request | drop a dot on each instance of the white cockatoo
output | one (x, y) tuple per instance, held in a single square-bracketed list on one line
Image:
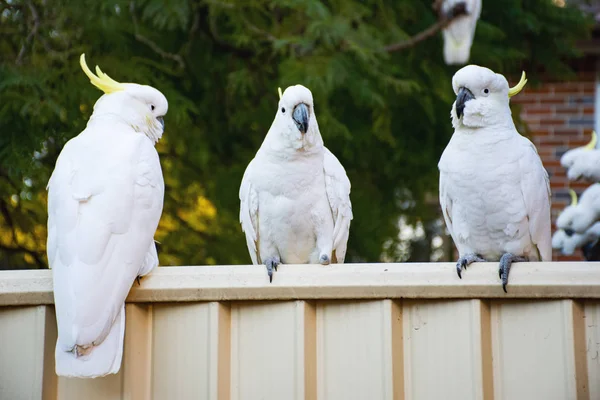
[(105, 198), (295, 195), (583, 162), (582, 214), (458, 36), (567, 242), (494, 190)]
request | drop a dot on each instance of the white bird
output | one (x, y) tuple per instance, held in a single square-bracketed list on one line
[(105, 198), (567, 243), (583, 162), (580, 216), (295, 195), (494, 190), (458, 36)]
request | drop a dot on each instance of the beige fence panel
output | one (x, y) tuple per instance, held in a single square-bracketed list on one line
[(355, 331), (592, 346)]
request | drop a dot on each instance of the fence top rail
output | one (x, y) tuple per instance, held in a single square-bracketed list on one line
[(341, 281)]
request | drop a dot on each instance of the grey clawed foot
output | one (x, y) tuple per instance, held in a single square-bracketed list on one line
[(505, 262), (465, 261), (272, 263), (138, 279)]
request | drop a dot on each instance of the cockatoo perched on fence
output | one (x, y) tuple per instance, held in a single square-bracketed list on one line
[(567, 244), (580, 216), (105, 198), (458, 36), (568, 240), (295, 195), (494, 190), (583, 162)]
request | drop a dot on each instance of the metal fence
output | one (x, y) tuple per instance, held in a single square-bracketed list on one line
[(354, 331)]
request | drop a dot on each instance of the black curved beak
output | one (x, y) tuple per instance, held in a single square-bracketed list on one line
[(463, 96), (162, 122), (569, 232), (300, 117)]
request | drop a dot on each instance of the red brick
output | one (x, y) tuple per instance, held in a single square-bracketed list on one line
[(573, 142), (565, 110), (587, 109), (539, 111), (566, 131), (551, 141), (553, 99)]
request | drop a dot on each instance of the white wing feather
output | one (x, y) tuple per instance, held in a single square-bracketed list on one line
[(337, 186), (249, 215), (535, 187), (458, 36), (104, 203), (446, 205)]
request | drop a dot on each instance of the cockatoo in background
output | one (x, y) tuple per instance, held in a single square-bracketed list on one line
[(494, 190), (580, 216), (583, 162), (458, 36), (295, 195), (105, 198), (568, 242)]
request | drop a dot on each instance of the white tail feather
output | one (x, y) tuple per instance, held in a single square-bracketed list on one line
[(99, 360)]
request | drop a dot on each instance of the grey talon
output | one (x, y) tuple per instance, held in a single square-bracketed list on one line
[(271, 264), (324, 259), (505, 263), (465, 261)]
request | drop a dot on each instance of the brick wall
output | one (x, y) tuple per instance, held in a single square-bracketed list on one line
[(559, 116)]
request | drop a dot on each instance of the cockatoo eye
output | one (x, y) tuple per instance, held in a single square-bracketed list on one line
[(486, 91), (152, 107), (283, 110)]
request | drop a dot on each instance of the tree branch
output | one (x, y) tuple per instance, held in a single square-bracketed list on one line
[(32, 33), (457, 11), (20, 249), (140, 38)]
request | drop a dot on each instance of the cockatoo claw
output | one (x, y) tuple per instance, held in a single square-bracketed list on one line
[(272, 263), (465, 261), (505, 262)]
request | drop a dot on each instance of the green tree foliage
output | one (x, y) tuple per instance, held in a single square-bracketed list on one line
[(384, 113)]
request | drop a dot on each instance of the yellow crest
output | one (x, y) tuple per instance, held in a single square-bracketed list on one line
[(573, 197), (592, 144), (519, 86), (101, 81), (279, 91)]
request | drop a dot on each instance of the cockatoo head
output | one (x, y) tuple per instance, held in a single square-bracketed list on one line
[(482, 97), (568, 159), (141, 107), (295, 122), (567, 243)]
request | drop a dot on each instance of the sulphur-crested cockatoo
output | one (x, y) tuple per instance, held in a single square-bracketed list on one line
[(494, 190), (458, 36), (295, 195), (105, 199), (583, 162), (567, 242), (582, 214)]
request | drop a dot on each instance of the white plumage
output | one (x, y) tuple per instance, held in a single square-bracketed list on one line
[(295, 195), (494, 190), (581, 216), (458, 36), (567, 243), (583, 162), (105, 199)]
